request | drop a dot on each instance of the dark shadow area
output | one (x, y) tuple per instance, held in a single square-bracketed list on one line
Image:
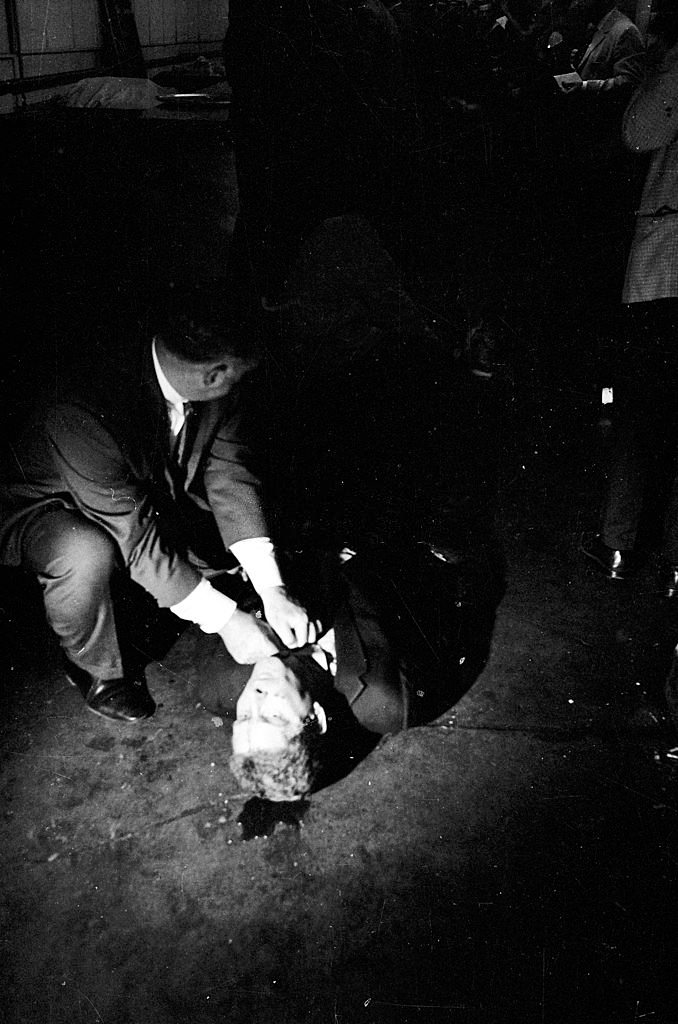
[(259, 817)]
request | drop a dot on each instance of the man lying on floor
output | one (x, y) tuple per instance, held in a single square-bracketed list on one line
[(409, 636)]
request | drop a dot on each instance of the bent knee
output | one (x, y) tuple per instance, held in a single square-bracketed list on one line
[(91, 552), (68, 544)]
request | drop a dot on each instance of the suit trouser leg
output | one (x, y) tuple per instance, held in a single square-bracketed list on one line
[(637, 479), (647, 418), (670, 539), (626, 470), (624, 504), (74, 561)]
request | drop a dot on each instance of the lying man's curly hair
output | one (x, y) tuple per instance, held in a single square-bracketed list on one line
[(281, 775)]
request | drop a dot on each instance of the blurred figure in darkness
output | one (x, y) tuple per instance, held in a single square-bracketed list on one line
[(316, 89)]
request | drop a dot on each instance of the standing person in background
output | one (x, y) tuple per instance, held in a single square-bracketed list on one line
[(643, 468), (597, 178), (613, 60)]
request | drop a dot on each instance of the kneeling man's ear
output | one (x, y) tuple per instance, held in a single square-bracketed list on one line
[(319, 712), (215, 375)]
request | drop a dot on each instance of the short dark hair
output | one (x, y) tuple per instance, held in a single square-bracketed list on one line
[(287, 774), (200, 323)]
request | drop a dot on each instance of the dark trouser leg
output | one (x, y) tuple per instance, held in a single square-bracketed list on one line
[(670, 545), (625, 493), (670, 537), (646, 412), (74, 560)]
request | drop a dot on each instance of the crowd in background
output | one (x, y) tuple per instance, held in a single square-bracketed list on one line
[(506, 118), (442, 111)]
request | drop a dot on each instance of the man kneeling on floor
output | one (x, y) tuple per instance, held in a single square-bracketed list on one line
[(407, 641), (138, 469)]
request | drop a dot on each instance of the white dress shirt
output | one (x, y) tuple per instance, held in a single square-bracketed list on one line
[(205, 606)]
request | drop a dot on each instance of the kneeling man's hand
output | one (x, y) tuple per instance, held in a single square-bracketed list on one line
[(248, 639), (288, 618)]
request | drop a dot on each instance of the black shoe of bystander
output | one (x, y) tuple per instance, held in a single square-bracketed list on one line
[(613, 563)]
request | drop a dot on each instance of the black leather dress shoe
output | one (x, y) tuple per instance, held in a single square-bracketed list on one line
[(669, 581), (612, 562), (121, 700)]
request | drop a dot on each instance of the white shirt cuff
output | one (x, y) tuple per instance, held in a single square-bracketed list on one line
[(257, 557), (206, 607)]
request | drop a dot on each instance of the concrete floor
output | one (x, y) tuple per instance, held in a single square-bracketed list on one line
[(515, 861)]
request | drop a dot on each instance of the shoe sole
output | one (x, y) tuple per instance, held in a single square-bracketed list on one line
[(113, 718), (609, 574)]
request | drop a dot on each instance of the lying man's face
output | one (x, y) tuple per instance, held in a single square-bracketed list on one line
[(273, 707), (277, 729)]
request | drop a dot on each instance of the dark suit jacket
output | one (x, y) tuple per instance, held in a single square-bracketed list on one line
[(101, 445), (411, 634), (616, 53)]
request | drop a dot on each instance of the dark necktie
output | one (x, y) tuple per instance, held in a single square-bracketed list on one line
[(184, 439)]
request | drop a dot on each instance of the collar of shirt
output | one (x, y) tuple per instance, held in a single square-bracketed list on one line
[(175, 403)]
